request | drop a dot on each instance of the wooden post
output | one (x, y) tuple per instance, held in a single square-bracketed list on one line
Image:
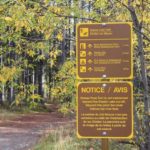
[(105, 144)]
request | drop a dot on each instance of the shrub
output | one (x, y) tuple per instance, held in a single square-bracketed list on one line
[(64, 89)]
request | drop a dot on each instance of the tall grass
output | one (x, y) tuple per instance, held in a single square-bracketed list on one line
[(5, 114), (64, 138)]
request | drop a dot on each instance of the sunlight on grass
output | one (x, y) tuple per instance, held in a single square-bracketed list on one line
[(5, 114), (64, 138)]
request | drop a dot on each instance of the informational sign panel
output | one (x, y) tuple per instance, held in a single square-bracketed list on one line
[(105, 110), (104, 50)]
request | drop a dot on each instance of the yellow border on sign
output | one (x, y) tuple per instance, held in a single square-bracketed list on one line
[(106, 137), (131, 59)]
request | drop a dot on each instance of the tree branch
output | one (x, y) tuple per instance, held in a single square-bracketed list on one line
[(137, 26), (127, 142), (126, 6), (74, 17), (42, 39), (144, 36)]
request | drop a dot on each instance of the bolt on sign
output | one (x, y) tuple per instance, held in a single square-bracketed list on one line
[(105, 110), (104, 50)]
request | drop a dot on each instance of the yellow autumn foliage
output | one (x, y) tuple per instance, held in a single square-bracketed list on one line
[(7, 74), (35, 96), (31, 53), (9, 19), (60, 37)]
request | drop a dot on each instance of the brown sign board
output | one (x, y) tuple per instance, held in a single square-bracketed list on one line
[(105, 110), (104, 50)]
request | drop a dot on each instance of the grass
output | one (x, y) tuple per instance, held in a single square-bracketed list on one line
[(64, 138), (5, 114)]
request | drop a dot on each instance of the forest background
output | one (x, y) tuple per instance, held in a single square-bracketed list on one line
[(37, 53)]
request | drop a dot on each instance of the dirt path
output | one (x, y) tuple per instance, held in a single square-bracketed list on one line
[(24, 132)]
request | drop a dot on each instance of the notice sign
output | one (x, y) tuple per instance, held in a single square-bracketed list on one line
[(104, 50), (105, 110)]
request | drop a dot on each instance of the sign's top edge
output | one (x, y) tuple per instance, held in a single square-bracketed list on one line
[(106, 23), (105, 82)]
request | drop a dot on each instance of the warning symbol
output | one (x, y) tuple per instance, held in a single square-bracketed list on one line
[(82, 61), (82, 53), (82, 69), (84, 32), (82, 45)]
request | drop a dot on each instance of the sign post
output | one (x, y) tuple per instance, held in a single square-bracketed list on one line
[(104, 51), (105, 109), (105, 144)]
